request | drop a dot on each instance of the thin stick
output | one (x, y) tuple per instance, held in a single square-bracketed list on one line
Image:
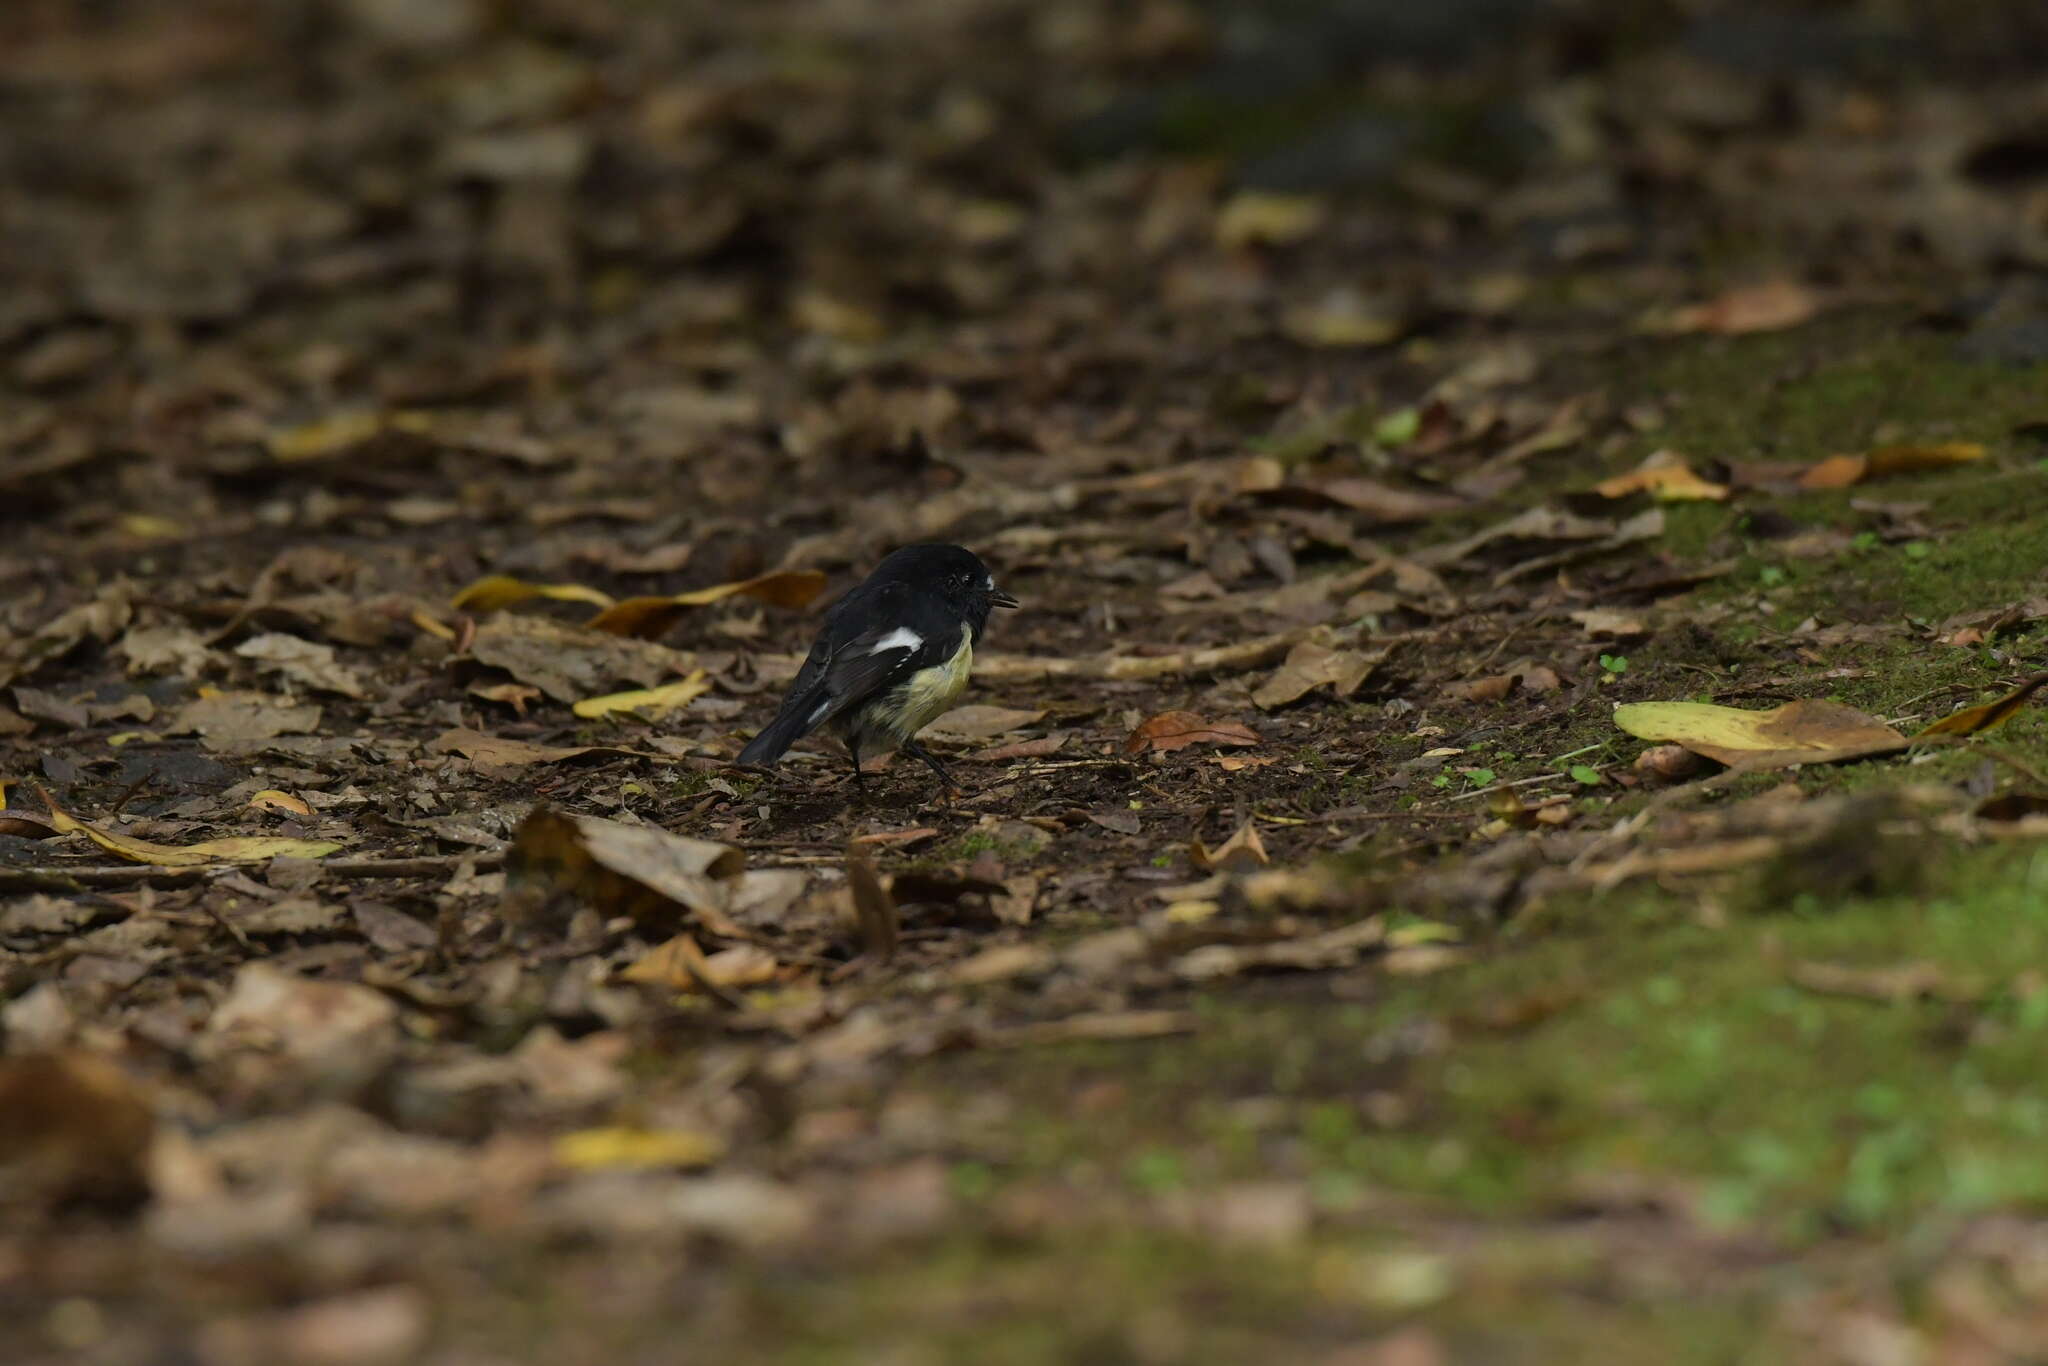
[(128, 875)]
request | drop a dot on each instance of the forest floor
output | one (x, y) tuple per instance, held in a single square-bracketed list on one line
[(429, 432)]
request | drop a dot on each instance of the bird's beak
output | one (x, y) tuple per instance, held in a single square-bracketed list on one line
[(998, 598)]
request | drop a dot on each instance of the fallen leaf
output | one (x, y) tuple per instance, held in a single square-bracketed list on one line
[(73, 1126), (1244, 654), (1492, 688), (1244, 850), (570, 663), (1663, 475), (1311, 953), (330, 1036), (1171, 730), (227, 719), (1989, 716), (618, 1148), (1119, 1024), (496, 591), (1669, 762), (1612, 622), (647, 617), (1021, 749), (514, 695), (1804, 732), (1841, 471), (100, 619), (233, 849), (310, 664), (165, 650), (330, 435), (1344, 317), (1263, 218), (270, 799), (1118, 820), (1770, 306), (500, 751), (680, 965), (27, 825), (910, 836), (1310, 665), (668, 697), (633, 870)]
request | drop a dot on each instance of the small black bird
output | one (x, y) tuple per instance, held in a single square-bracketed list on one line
[(891, 657)]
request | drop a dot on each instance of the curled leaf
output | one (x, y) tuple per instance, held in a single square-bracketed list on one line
[(647, 617), (1665, 476), (1841, 471), (1805, 732), (1243, 850), (1171, 730), (495, 591), (667, 697), (1989, 716), (234, 849), (634, 870)]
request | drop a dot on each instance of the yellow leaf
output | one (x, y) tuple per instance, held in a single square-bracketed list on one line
[(620, 1147), (311, 440), (145, 527), (494, 591), (648, 617), (1261, 217), (1665, 476), (430, 626), (273, 800), (1802, 732), (235, 849), (1971, 720), (667, 697), (1841, 471), (679, 964)]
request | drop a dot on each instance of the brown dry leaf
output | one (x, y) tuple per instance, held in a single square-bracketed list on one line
[(310, 664), (1804, 732), (570, 663), (979, 722), (496, 591), (873, 908), (1311, 665), (233, 849), (165, 650), (1492, 688), (1021, 749), (1243, 851), (1841, 471), (1312, 953), (72, 1126), (648, 617), (27, 825), (634, 870), (1770, 306), (1666, 476), (680, 965), (1989, 716), (1612, 622), (500, 751), (332, 1036), (1669, 762), (910, 836), (1171, 730), (666, 698), (1380, 502), (228, 719), (1900, 982), (103, 618), (1002, 963)]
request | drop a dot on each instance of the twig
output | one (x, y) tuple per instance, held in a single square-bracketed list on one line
[(128, 875)]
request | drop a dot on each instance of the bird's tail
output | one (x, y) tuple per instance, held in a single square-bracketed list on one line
[(796, 720)]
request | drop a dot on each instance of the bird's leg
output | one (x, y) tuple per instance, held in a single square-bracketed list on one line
[(860, 782), (931, 761)]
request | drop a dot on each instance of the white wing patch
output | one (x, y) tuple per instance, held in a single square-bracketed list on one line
[(902, 638)]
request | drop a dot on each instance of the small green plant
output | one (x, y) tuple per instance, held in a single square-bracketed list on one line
[(1917, 550), (1585, 773), (1480, 777), (1865, 541), (1771, 575), (1615, 665)]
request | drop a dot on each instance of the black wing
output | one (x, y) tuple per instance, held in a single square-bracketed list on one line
[(872, 640)]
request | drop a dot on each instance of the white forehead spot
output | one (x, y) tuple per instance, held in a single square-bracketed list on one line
[(902, 638), (988, 581)]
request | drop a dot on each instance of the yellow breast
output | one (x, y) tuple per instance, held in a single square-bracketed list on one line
[(929, 692)]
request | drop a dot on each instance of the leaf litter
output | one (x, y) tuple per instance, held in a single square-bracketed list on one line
[(382, 906)]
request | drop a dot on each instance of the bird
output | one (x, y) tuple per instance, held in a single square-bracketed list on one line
[(890, 658)]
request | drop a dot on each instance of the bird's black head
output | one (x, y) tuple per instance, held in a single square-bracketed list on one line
[(952, 571)]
